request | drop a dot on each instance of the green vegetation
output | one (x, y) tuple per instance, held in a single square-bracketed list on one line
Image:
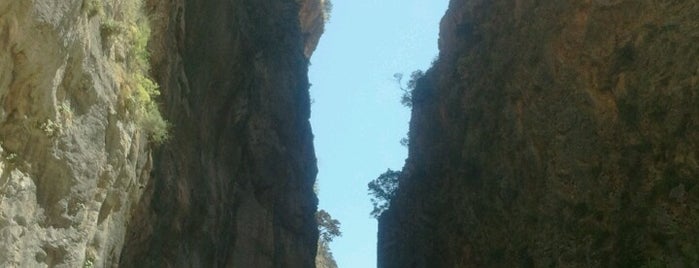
[(329, 228), (138, 92), (146, 90), (383, 189), (405, 141), (110, 28), (7, 156), (147, 112), (93, 8), (65, 112), (11, 157), (327, 10), (89, 263), (407, 98), (51, 128)]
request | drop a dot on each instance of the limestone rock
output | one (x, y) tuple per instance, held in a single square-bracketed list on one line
[(72, 160)]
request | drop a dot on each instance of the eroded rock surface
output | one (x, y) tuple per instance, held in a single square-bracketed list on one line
[(553, 134), (72, 158)]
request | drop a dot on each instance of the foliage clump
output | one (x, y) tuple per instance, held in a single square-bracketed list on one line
[(93, 8), (405, 141), (147, 111), (383, 189), (327, 10), (111, 27), (407, 97), (138, 92), (329, 228)]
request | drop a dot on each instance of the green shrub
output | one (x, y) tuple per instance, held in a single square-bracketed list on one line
[(51, 128), (93, 8), (140, 91), (142, 104), (111, 28)]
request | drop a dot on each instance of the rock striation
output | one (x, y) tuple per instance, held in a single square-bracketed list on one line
[(553, 134)]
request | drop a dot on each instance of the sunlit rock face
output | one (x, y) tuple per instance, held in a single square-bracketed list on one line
[(553, 134), (324, 257), (82, 184), (312, 17), (233, 187), (73, 160)]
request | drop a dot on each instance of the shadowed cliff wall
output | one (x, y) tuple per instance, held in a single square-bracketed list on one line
[(233, 187), (553, 134)]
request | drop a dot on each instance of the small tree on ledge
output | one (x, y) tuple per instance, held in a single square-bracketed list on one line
[(382, 190)]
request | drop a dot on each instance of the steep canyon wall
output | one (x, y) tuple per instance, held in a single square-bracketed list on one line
[(73, 153), (553, 134), (86, 176), (234, 185)]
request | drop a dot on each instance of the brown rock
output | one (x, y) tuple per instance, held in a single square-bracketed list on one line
[(553, 134)]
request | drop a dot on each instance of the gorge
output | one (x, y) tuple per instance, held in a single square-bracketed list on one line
[(149, 133)]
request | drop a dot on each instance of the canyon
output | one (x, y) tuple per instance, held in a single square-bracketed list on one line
[(149, 133)]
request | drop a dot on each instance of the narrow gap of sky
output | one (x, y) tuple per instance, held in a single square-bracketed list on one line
[(357, 117)]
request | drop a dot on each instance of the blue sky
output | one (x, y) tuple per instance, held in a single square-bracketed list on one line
[(357, 117)]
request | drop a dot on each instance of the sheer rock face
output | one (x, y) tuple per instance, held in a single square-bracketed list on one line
[(553, 134), (233, 187), (72, 161)]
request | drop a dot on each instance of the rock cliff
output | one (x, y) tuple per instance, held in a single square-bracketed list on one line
[(553, 134), (74, 152), (234, 185), (88, 175)]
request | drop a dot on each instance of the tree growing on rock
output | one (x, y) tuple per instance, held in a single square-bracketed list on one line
[(383, 189), (407, 97), (329, 228)]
